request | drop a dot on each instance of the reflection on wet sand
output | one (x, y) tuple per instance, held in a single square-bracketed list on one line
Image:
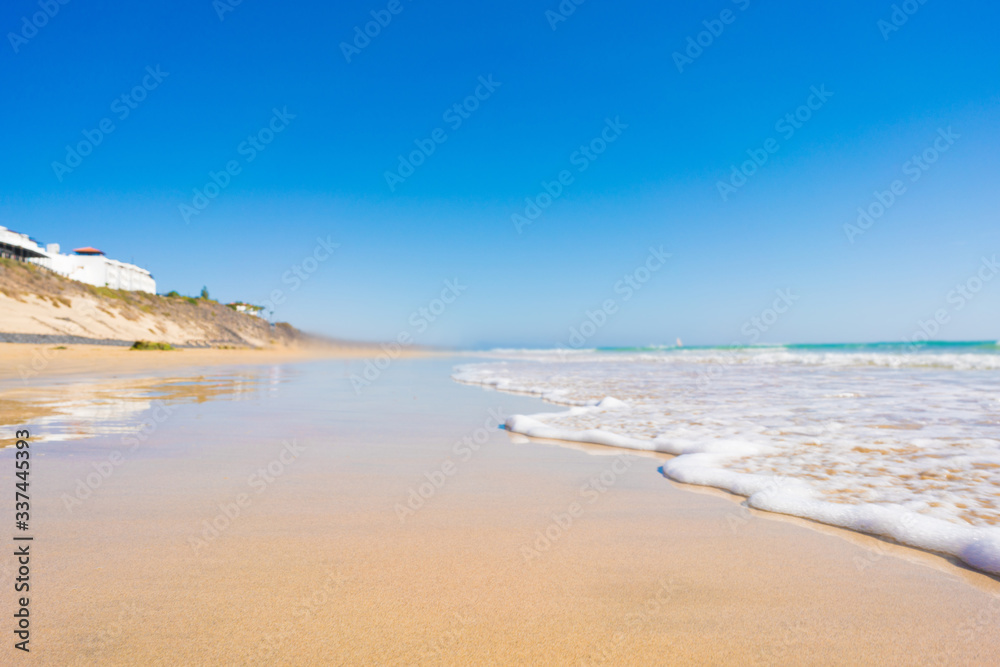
[(77, 410), (587, 447)]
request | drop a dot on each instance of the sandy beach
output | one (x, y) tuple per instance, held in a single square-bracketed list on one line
[(522, 333), (270, 514)]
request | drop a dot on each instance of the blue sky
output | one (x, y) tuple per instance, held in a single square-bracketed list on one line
[(679, 133)]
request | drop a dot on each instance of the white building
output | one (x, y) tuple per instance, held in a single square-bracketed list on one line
[(87, 265), (14, 245), (247, 308)]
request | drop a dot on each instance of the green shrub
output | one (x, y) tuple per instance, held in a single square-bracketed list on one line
[(108, 293), (148, 345)]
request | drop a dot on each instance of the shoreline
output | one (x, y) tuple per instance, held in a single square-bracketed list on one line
[(883, 545), (977, 553), (34, 363), (975, 545)]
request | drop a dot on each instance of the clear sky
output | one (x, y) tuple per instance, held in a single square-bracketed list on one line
[(211, 75)]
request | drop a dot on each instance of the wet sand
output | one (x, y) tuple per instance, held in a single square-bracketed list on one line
[(38, 363), (268, 525)]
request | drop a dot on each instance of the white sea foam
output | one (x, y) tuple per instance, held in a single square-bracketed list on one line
[(901, 445)]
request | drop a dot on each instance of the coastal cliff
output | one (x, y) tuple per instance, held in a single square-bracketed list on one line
[(34, 301)]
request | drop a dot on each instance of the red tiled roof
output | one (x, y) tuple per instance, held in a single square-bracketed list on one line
[(88, 251)]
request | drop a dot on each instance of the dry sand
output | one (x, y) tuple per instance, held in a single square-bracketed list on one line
[(320, 569)]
